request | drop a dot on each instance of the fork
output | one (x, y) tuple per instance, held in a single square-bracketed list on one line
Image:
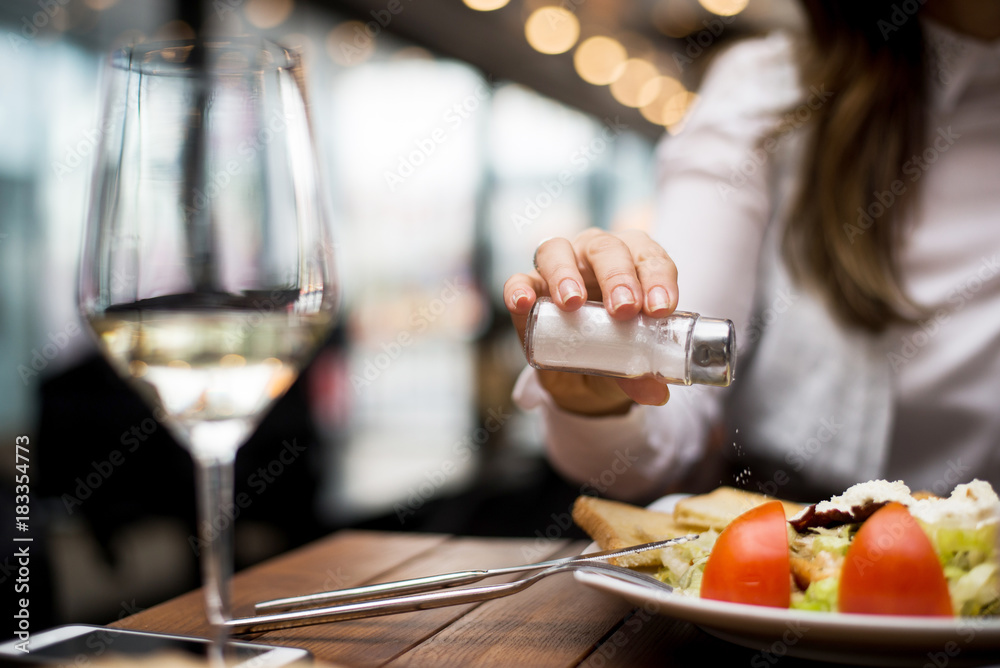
[(431, 582), (433, 599)]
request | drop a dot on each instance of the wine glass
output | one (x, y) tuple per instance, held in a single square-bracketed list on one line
[(207, 273)]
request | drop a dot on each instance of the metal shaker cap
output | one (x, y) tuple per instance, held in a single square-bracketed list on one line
[(713, 352)]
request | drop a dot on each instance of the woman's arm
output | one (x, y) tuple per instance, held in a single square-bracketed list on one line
[(713, 206)]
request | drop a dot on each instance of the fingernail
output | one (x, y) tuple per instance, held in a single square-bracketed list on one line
[(672, 298), (658, 299), (569, 289), (621, 296), (519, 297)]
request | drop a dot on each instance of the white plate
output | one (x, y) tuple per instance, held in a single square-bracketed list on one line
[(863, 639)]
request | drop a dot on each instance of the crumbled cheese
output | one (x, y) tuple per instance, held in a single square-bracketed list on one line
[(969, 505), (873, 491)]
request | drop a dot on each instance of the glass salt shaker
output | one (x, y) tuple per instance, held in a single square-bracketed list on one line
[(682, 348)]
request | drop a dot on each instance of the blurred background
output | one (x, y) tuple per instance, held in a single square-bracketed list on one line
[(456, 136)]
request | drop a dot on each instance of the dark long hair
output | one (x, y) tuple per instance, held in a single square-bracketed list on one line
[(846, 225)]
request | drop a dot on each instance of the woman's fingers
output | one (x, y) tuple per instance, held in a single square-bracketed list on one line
[(630, 271), (585, 395), (610, 261), (596, 395), (656, 271), (520, 292), (647, 391), (556, 264)]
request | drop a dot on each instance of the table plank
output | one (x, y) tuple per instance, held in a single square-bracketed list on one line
[(645, 640), (351, 558), (556, 622), (376, 641), (345, 559)]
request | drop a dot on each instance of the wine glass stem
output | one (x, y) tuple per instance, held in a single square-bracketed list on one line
[(214, 478)]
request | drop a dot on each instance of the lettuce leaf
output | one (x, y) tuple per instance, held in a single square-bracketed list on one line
[(820, 596), (684, 564), (971, 565)]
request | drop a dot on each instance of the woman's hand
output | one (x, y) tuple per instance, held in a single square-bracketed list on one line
[(630, 273)]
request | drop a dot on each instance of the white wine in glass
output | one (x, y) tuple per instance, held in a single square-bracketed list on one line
[(207, 271)]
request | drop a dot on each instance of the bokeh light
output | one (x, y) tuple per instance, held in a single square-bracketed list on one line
[(656, 110), (600, 60), (676, 109), (232, 361), (350, 44), (724, 7), (552, 30), (636, 86), (173, 30), (268, 13), (485, 5)]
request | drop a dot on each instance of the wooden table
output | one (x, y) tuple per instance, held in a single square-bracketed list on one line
[(557, 622)]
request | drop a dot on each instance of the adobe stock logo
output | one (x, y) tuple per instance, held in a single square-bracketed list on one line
[(40, 357), (37, 21), (581, 160), (424, 147), (900, 15), (914, 169)]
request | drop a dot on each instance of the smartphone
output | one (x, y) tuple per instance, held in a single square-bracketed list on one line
[(79, 644)]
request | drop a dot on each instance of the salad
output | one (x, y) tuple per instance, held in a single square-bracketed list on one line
[(875, 549)]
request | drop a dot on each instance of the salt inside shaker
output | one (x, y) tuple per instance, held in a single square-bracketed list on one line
[(682, 348)]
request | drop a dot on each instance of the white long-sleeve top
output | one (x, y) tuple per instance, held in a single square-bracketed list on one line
[(814, 404)]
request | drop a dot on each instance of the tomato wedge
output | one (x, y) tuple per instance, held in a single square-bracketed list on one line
[(750, 562), (891, 568)]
